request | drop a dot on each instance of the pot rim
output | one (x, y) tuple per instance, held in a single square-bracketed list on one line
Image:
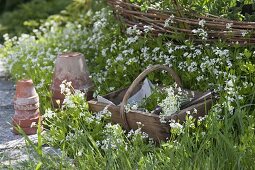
[(70, 54)]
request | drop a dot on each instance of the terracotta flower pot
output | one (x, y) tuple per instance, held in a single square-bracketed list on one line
[(28, 131), (28, 114), (25, 122), (25, 89), (26, 125), (26, 105), (71, 67)]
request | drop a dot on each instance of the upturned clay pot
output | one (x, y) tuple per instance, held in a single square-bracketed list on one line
[(27, 131), (28, 114), (25, 122), (26, 105), (27, 125), (71, 67)]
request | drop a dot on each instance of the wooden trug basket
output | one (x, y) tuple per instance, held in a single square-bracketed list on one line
[(184, 22), (152, 125)]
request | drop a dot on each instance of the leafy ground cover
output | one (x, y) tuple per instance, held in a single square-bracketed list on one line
[(222, 140)]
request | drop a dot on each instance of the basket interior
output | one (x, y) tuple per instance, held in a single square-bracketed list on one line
[(117, 96)]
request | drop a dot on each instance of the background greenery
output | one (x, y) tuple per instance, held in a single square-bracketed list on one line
[(27, 14)]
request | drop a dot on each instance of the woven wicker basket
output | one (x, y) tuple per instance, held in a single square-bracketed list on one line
[(152, 125), (184, 23)]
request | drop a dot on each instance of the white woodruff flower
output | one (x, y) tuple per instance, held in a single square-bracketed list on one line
[(67, 91), (244, 33), (175, 125), (148, 28), (112, 137), (62, 88), (201, 33), (49, 114), (133, 30), (232, 94), (79, 94), (65, 88), (41, 84), (203, 134), (170, 103), (175, 96), (131, 40), (230, 83), (199, 78), (202, 23), (134, 107), (69, 84), (169, 21), (104, 52), (68, 102), (229, 26)]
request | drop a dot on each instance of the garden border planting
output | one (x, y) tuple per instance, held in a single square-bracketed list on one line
[(152, 123)]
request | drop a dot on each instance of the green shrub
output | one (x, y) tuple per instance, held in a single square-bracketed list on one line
[(10, 4), (28, 16)]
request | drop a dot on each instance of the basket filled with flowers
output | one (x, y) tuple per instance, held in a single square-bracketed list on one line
[(158, 110)]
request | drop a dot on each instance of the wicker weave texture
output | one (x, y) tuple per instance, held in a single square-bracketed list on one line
[(188, 24)]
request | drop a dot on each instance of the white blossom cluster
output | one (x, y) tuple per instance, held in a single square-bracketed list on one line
[(169, 21), (171, 104), (201, 33), (49, 114), (232, 95), (176, 127), (98, 117), (138, 133), (113, 138)]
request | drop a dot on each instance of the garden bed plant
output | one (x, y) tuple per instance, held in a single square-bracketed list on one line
[(224, 139), (33, 12)]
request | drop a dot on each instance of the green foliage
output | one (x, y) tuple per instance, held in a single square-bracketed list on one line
[(10, 4), (153, 100), (28, 16)]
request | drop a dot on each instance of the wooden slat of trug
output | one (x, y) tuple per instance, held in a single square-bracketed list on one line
[(152, 125)]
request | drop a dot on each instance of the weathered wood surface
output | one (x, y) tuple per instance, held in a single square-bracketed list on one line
[(152, 125)]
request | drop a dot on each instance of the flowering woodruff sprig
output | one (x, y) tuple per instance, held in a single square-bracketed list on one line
[(171, 104), (66, 88), (72, 96), (74, 118), (113, 138)]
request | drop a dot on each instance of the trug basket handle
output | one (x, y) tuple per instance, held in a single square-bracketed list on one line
[(136, 82)]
